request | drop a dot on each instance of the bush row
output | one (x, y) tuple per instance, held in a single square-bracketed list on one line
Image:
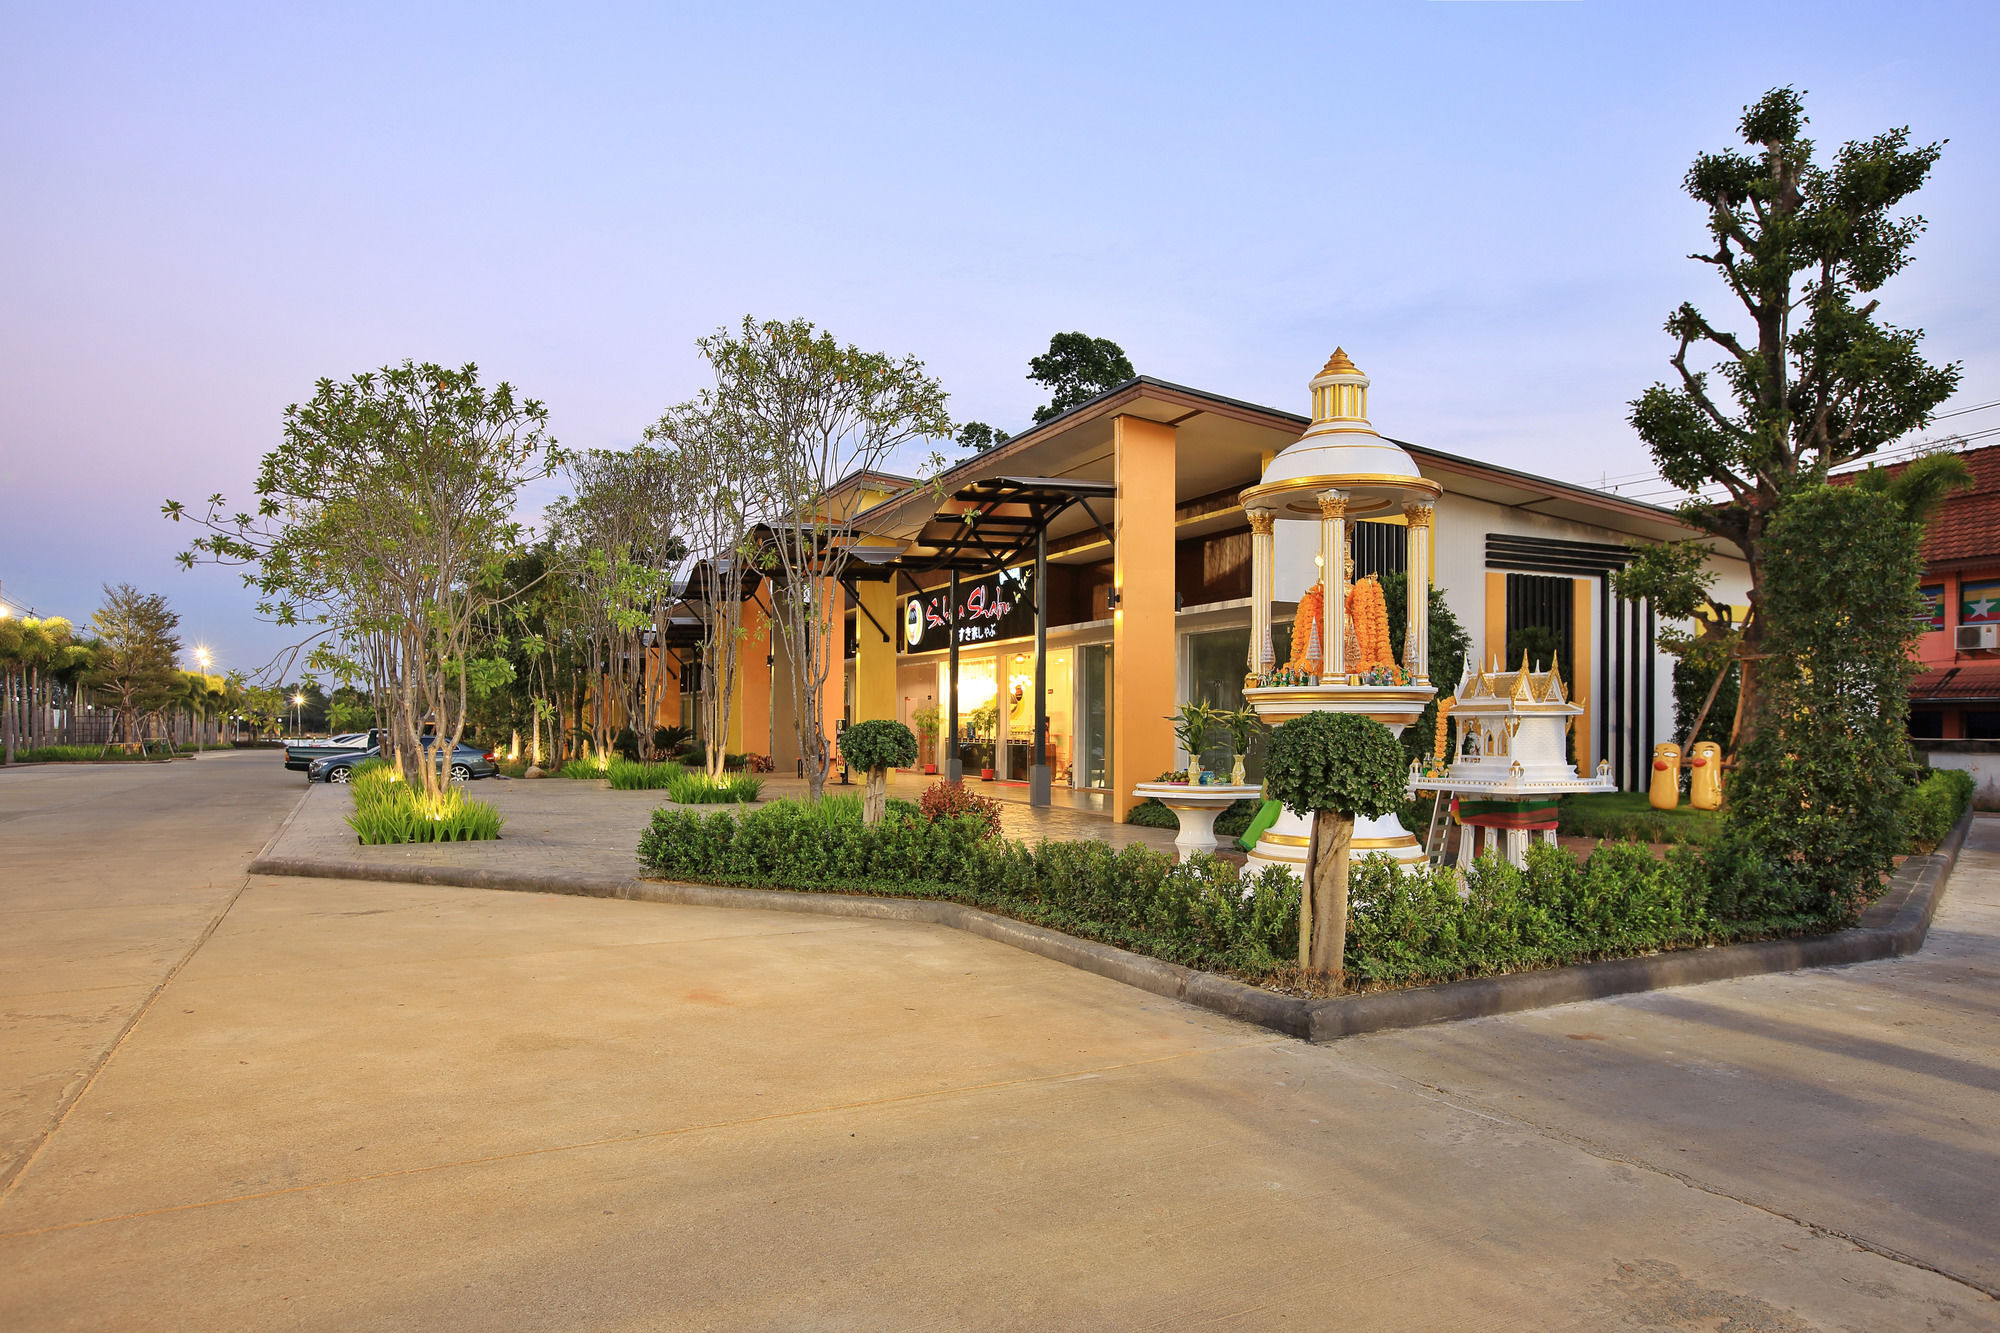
[(1935, 804), (1200, 912)]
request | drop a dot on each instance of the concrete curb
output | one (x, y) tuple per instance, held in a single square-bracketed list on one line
[(1894, 926)]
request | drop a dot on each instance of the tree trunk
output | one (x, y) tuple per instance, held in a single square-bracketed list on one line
[(875, 803), (1332, 836)]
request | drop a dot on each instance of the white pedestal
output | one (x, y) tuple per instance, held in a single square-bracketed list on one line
[(1285, 842), (1196, 808)]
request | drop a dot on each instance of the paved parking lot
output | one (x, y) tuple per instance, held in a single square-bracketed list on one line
[(248, 1103)]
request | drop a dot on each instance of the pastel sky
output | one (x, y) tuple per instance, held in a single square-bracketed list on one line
[(208, 207)]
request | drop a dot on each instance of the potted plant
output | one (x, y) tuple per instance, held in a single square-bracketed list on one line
[(1332, 766), (875, 747), (983, 725), (927, 719), (1191, 726), (1243, 724)]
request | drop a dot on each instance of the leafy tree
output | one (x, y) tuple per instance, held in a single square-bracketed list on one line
[(618, 533), (1332, 766), (978, 435), (384, 526), (719, 474), (1820, 381), (1075, 369), (822, 416), (875, 747), (1815, 812), (135, 661)]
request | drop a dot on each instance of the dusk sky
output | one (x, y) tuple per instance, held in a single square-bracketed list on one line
[(207, 208)]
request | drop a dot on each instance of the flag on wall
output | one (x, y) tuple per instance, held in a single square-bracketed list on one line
[(1979, 603), (1932, 616)]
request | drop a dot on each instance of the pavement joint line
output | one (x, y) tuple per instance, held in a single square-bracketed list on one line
[(1604, 1152), (614, 1140), (16, 1171)]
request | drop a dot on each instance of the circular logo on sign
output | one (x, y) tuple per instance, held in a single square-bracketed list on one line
[(913, 622)]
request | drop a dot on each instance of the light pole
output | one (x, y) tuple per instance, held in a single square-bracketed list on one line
[(298, 701)]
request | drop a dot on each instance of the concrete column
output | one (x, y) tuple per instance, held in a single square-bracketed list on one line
[(1333, 578), (1417, 583), (1142, 578), (750, 709), (1263, 524)]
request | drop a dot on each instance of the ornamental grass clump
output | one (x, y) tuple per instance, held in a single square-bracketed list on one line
[(685, 788), (584, 770), (389, 810), (632, 775)]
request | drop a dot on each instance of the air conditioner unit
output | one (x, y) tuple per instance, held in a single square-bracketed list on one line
[(1978, 638)]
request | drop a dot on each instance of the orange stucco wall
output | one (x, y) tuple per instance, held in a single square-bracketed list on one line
[(1142, 572), (750, 713)]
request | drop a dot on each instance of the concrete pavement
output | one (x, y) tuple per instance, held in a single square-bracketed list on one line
[(391, 1106)]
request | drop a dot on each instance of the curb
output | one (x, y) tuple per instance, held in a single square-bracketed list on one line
[(1894, 926)]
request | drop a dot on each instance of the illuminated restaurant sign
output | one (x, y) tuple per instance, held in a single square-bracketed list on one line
[(997, 606)]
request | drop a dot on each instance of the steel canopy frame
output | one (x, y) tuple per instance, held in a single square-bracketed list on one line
[(992, 524)]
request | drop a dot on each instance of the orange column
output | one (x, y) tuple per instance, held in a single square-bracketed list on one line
[(750, 716), (1142, 573), (1583, 641), (1495, 647)]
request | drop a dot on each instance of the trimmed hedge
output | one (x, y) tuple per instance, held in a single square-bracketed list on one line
[(1935, 804), (1201, 912)]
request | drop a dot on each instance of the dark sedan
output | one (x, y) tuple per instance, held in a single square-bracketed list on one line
[(467, 763)]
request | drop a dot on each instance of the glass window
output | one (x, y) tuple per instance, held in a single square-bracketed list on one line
[(1217, 661)]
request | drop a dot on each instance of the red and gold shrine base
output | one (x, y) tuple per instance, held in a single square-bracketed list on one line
[(1536, 815)]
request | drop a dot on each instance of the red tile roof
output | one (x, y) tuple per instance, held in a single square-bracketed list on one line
[(1967, 525), (1959, 684)]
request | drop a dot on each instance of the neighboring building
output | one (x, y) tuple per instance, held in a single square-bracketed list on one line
[(1149, 589), (1958, 695)]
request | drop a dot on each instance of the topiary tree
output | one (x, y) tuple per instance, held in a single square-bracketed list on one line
[(1332, 766), (875, 747)]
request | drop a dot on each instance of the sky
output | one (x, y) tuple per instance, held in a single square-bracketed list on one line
[(208, 208)]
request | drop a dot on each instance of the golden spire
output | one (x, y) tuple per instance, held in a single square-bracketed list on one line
[(1338, 364)]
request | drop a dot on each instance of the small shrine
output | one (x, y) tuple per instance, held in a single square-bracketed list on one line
[(1338, 471), (1510, 763)]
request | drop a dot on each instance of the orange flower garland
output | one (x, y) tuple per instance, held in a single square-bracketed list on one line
[(1308, 616), (1370, 616)]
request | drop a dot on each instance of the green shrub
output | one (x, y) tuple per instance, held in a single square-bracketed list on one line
[(1336, 762), (1201, 912), (1149, 813), (628, 775), (1412, 927), (878, 743), (625, 745), (386, 810), (1934, 805), (584, 770), (59, 754), (685, 788)]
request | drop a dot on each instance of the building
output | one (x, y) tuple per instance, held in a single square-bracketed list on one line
[(1957, 698), (1133, 501)]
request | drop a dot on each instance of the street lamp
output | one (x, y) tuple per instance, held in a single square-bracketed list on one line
[(298, 701), (201, 659)]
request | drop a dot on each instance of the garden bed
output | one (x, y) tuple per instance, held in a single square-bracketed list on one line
[(1406, 928)]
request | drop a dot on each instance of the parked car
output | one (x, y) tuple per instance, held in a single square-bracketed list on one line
[(299, 756), (467, 763)]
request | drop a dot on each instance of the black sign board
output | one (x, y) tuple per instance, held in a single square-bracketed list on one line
[(997, 606)]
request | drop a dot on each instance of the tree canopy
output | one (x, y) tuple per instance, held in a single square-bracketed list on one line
[(1817, 381), (1075, 369)]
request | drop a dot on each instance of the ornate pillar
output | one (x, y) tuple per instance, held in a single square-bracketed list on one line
[(1333, 579), (1417, 583), (1263, 524)]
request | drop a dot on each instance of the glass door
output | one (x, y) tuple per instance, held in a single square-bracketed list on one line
[(1094, 740)]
